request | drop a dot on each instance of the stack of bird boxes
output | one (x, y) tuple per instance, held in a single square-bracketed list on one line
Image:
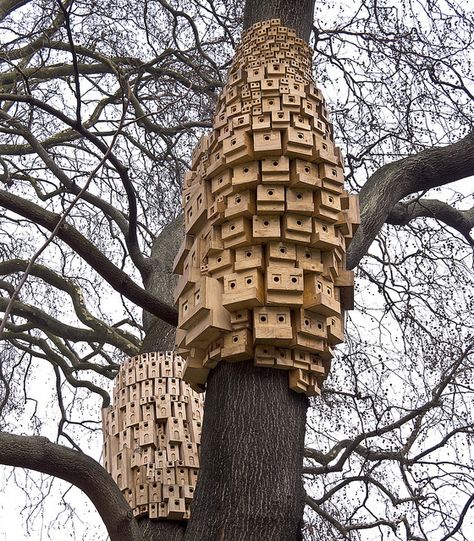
[(267, 222), (152, 436)]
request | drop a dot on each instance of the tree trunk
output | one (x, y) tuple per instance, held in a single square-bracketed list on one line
[(250, 482)]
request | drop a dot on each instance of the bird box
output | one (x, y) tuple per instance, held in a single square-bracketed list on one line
[(212, 241), (243, 290), (335, 330), (323, 150), (298, 143), (216, 210), (220, 263), (276, 170), (195, 210), (238, 346), (240, 204), (272, 323), (221, 182), (298, 380), (323, 236), (262, 122), (327, 206), (246, 175), (249, 257), (304, 174), (271, 104), (319, 296), (241, 319), (300, 122), (255, 74), (290, 102), (299, 201), (309, 259), (332, 177), (266, 227), (280, 119), (297, 228), (267, 143), (345, 285), (238, 147), (236, 232), (270, 199), (284, 286), (281, 254), (194, 372), (241, 122)]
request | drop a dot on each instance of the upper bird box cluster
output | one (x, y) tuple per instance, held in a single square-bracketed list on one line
[(267, 222)]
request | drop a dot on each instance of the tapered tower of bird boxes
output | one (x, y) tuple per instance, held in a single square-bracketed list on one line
[(268, 222)]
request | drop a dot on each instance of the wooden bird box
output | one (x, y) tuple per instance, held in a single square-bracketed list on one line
[(267, 143), (276, 170), (281, 254), (238, 346), (332, 177), (327, 206), (238, 148), (280, 119), (241, 319), (221, 182), (304, 174), (335, 330), (297, 228), (246, 175), (236, 232), (319, 296), (323, 150), (243, 290), (345, 284), (272, 324), (262, 122), (220, 263), (324, 235), (270, 199), (299, 201), (271, 104), (266, 228), (249, 257), (284, 286), (240, 204), (298, 143)]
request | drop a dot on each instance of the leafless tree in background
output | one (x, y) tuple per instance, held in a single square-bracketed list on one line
[(100, 105)]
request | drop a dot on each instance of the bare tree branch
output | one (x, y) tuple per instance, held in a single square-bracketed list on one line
[(461, 220), (117, 278), (39, 454), (391, 183)]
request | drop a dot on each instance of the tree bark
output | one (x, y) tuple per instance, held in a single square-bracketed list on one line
[(297, 14), (252, 446)]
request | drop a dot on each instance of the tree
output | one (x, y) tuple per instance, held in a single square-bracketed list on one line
[(95, 123)]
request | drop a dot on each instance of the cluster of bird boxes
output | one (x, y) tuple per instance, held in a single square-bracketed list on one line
[(267, 222), (152, 436)]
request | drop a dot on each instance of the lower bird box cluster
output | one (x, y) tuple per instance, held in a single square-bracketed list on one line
[(152, 434), (268, 223)]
